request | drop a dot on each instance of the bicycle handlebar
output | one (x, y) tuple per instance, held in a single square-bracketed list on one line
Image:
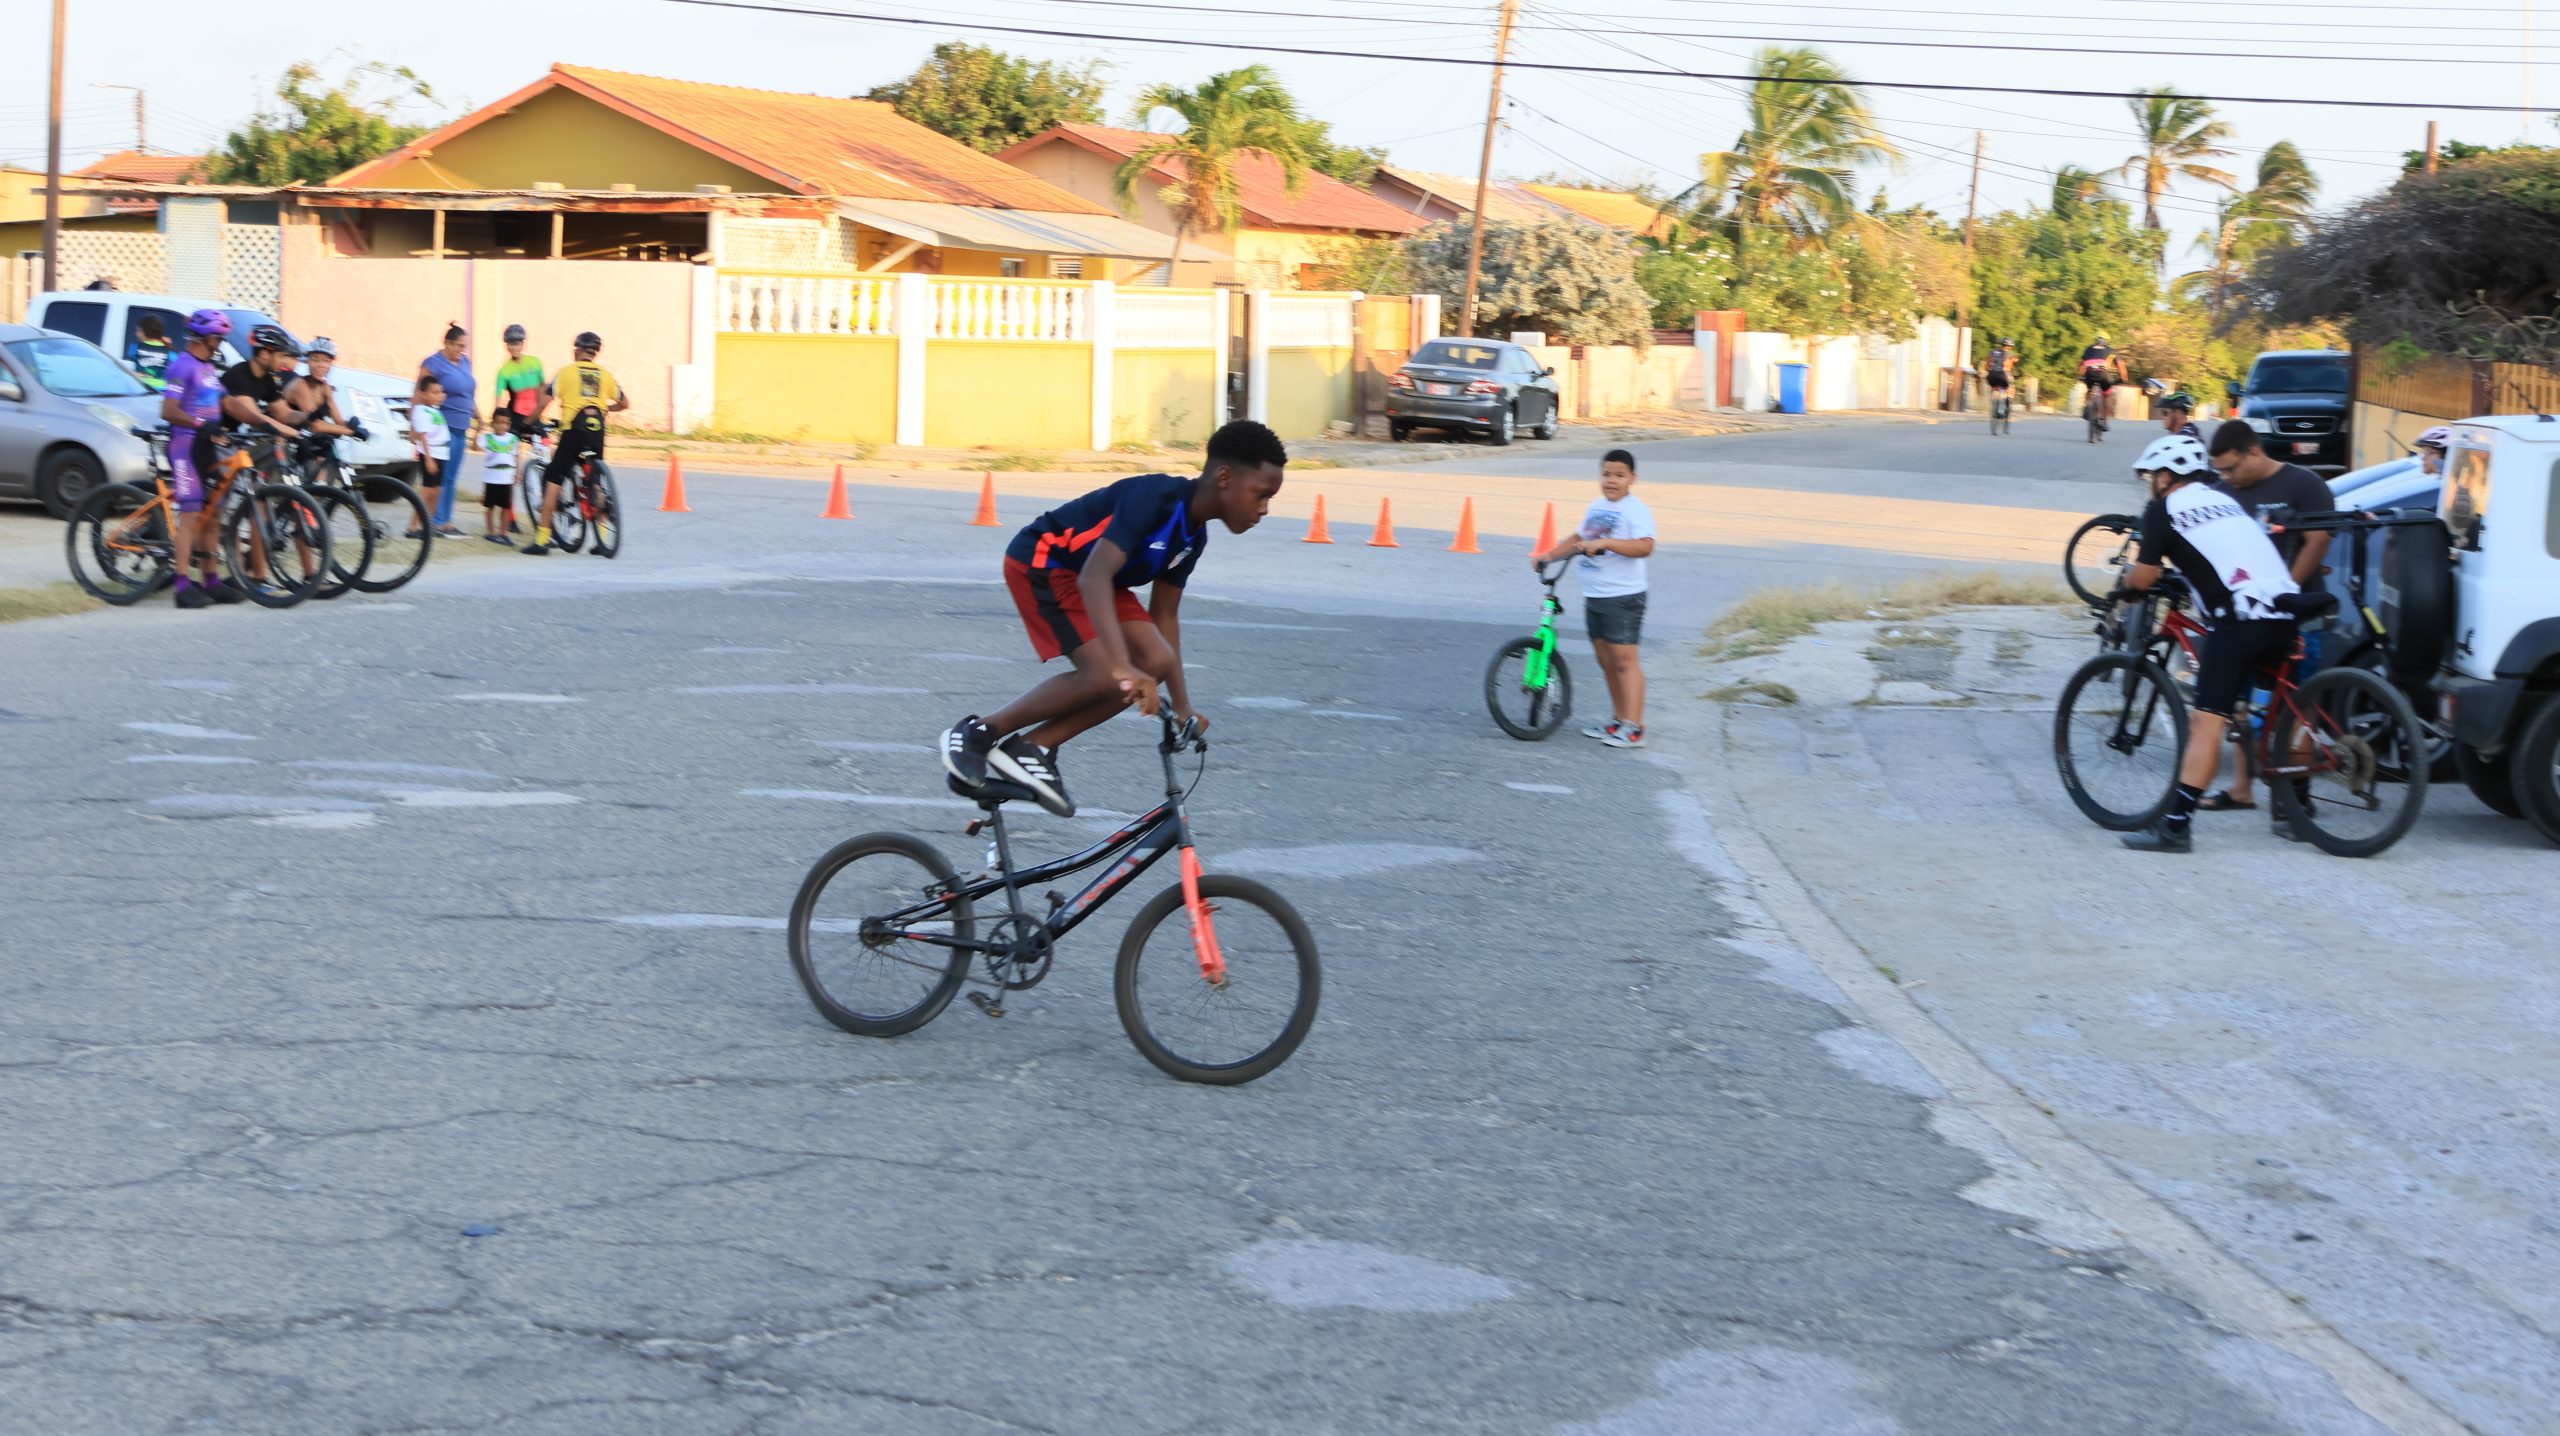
[(1559, 565)]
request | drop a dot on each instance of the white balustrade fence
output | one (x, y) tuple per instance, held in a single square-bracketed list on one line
[(806, 304), (1010, 309), (1145, 320), (1310, 321)]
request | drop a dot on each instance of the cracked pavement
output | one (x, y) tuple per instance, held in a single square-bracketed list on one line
[(1567, 1150)]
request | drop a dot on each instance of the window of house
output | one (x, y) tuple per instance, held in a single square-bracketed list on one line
[(1063, 266), (1009, 267)]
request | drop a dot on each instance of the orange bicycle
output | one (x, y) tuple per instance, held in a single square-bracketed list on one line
[(122, 540)]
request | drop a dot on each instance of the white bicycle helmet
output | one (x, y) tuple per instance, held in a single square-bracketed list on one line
[(2178, 453), (2438, 437)]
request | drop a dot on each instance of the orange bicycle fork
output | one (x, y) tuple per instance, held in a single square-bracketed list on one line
[(1204, 932)]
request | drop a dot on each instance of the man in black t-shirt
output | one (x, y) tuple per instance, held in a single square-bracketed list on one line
[(2260, 481), (253, 390)]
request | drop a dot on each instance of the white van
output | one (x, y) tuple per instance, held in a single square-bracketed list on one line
[(110, 319)]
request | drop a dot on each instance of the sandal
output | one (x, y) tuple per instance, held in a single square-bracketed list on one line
[(2220, 801)]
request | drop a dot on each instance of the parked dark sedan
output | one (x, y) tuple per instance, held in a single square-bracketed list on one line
[(1484, 386), (2297, 401)]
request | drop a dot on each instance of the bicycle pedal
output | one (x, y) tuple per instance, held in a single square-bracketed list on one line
[(1056, 899), (992, 1006)]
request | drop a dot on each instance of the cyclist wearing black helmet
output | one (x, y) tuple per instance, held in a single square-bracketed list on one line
[(2000, 368), (253, 390), (586, 392), (2177, 415)]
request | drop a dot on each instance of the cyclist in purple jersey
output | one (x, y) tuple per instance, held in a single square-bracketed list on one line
[(192, 405)]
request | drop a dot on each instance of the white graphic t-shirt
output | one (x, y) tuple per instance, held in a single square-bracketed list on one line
[(1613, 575)]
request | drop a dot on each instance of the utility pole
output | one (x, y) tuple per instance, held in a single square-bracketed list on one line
[(141, 116), (2431, 147), (53, 155), (1484, 169), (1964, 296)]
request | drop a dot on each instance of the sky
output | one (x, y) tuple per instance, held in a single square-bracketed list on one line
[(1608, 128)]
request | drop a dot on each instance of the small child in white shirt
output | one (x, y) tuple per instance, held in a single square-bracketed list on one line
[(498, 475)]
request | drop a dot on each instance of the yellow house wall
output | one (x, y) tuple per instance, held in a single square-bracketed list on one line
[(1310, 388), (1287, 248), (565, 138), (1163, 396), (813, 388), (1007, 394), (29, 236)]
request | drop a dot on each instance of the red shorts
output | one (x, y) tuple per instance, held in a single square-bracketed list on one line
[(1053, 611)]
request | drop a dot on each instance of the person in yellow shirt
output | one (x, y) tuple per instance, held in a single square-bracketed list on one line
[(586, 392)]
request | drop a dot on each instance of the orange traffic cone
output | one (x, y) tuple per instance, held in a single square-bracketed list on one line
[(674, 502), (986, 518), (1318, 532), (1385, 537), (1466, 540), (837, 506), (1547, 528)]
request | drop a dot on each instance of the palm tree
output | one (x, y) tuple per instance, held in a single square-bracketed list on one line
[(1223, 118), (2178, 133), (2074, 186), (2271, 213), (1808, 127)]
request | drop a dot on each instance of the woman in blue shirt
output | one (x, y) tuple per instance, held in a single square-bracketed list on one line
[(451, 367)]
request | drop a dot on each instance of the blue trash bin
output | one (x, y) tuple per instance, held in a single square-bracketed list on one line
[(1791, 388)]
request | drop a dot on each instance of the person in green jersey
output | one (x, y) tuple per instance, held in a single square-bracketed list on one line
[(519, 380)]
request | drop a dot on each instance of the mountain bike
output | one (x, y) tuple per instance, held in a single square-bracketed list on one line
[(393, 518), (2096, 556), (590, 506), (1527, 686), (310, 463), (884, 933), (2000, 423), (2093, 411), (122, 547), (2325, 746)]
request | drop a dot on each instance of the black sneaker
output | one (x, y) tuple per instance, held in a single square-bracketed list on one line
[(2161, 838), (192, 595), (965, 749), (534, 549), (224, 590), (1036, 768)]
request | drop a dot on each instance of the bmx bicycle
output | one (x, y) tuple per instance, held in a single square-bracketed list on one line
[(1527, 686), (884, 933)]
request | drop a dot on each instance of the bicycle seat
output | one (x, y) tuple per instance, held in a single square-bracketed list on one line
[(2303, 607), (995, 790)]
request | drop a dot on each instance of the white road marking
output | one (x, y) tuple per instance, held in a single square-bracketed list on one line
[(722, 919), (1538, 787), (423, 770), (1312, 1272), (798, 688), (251, 805), (1339, 860), (874, 800), (1348, 713), (190, 730), (329, 822), (183, 758), (195, 685), (1273, 703), (1190, 622), (428, 795), (516, 698)]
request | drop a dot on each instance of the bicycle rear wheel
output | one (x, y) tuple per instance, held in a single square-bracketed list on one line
[(2118, 734), (402, 536), (2345, 728), (351, 539), (863, 973), (1235, 1030), (568, 515), (2096, 556), (118, 542), (605, 510), (275, 545), (1528, 714)]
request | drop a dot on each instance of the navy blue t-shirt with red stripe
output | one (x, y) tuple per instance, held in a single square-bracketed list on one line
[(1148, 516)]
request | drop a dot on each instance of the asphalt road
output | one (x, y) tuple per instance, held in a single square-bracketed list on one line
[(395, 1035)]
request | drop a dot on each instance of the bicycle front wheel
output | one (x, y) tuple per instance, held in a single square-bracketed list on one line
[(402, 536), (351, 540), (118, 542), (604, 510), (1233, 1030), (2096, 556), (853, 931), (2117, 737), (2345, 737), (275, 546), (1526, 713)]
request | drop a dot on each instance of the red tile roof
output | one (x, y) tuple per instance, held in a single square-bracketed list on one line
[(806, 144), (1321, 201), (135, 167)]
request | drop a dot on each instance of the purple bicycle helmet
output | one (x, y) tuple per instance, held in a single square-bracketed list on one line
[(209, 324)]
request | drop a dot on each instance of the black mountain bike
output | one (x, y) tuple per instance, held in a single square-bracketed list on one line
[(2000, 423), (884, 933), (2096, 556)]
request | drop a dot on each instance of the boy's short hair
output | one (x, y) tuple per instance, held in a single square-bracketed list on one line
[(426, 382), (1619, 456), (503, 412), (148, 326), (1246, 442), (2233, 436)]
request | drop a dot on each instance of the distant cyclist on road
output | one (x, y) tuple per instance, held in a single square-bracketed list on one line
[(585, 391), (2101, 368), (2000, 369), (1071, 571)]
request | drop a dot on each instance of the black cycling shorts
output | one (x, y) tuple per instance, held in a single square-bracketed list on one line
[(2234, 651), (573, 444), (2098, 381)]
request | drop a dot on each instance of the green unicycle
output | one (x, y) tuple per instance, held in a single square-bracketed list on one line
[(1527, 685)]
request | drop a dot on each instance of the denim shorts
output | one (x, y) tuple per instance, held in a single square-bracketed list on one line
[(1617, 619)]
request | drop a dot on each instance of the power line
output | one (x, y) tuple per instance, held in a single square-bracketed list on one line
[(1256, 47), (2208, 19)]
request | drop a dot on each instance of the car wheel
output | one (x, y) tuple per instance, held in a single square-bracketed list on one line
[(1547, 430), (1399, 431), (2489, 779), (66, 478), (1505, 428), (2534, 764)]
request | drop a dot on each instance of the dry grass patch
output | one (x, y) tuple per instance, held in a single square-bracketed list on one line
[(51, 601), (1762, 691), (1769, 618)]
